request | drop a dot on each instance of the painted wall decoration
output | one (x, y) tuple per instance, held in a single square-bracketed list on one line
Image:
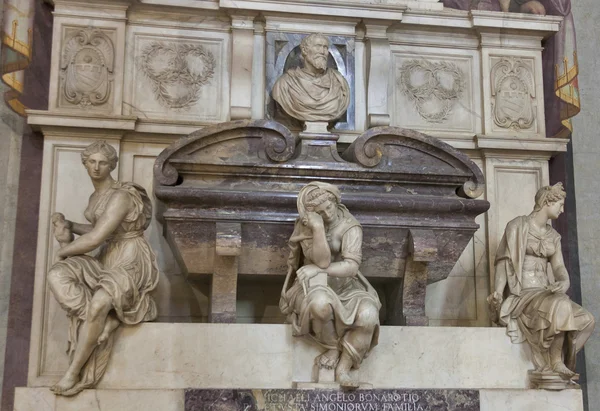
[(433, 87), (87, 67), (560, 67), (17, 42), (177, 72)]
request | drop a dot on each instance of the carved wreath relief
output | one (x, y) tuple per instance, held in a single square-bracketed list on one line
[(513, 94), (177, 71), (434, 88), (87, 67)]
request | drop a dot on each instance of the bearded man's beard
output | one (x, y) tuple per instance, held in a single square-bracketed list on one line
[(319, 61)]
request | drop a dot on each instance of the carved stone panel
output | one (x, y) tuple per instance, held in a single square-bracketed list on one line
[(513, 93), (431, 90), (87, 68), (177, 72), (178, 79), (434, 93)]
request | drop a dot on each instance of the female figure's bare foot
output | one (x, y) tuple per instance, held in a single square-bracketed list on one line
[(67, 382), (110, 325), (564, 372), (342, 372), (347, 382), (328, 359)]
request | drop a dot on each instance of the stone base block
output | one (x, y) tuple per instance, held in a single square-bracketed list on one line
[(263, 356), (552, 381), (531, 400), (330, 386), (41, 399)]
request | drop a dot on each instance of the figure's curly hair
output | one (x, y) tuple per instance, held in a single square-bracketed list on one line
[(102, 147), (309, 41), (317, 197), (548, 195)]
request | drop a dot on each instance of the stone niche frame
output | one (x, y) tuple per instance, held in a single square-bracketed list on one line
[(282, 47), (230, 203)]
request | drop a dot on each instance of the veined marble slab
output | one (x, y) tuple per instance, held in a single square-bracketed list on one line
[(41, 399), (332, 400)]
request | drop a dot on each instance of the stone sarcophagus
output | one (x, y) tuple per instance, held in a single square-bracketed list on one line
[(230, 204)]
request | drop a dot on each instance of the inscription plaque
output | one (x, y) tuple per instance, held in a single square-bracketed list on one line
[(331, 400)]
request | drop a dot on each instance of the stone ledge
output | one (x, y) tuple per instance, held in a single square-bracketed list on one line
[(531, 400), (40, 119), (42, 399), (253, 356)]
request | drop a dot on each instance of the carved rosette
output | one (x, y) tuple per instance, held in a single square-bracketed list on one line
[(513, 94), (177, 72), (434, 88), (87, 68)]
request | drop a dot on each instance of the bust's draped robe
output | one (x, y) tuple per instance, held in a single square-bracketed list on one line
[(312, 98)]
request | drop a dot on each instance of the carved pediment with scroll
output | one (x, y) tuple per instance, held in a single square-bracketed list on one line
[(256, 148), (237, 143), (409, 152)]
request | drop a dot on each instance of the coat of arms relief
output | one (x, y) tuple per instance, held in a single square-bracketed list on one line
[(87, 67), (513, 94)]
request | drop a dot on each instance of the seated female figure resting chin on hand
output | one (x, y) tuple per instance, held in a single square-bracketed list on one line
[(325, 296)]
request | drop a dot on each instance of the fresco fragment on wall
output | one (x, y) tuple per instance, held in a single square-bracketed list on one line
[(16, 53)]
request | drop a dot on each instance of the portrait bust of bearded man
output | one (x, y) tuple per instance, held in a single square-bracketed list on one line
[(313, 92)]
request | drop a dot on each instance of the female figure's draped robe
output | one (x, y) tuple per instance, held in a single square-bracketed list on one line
[(345, 293), (533, 313), (125, 268)]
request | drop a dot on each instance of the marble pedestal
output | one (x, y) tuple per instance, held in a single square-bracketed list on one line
[(153, 364)]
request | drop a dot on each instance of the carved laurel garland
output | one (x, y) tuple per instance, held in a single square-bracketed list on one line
[(432, 88), (176, 72), (513, 94), (87, 66)]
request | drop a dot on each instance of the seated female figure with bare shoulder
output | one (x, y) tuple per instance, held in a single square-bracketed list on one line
[(325, 296), (526, 301), (101, 292)]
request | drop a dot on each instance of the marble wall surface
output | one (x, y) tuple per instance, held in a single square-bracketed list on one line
[(268, 357), (142, 75)]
